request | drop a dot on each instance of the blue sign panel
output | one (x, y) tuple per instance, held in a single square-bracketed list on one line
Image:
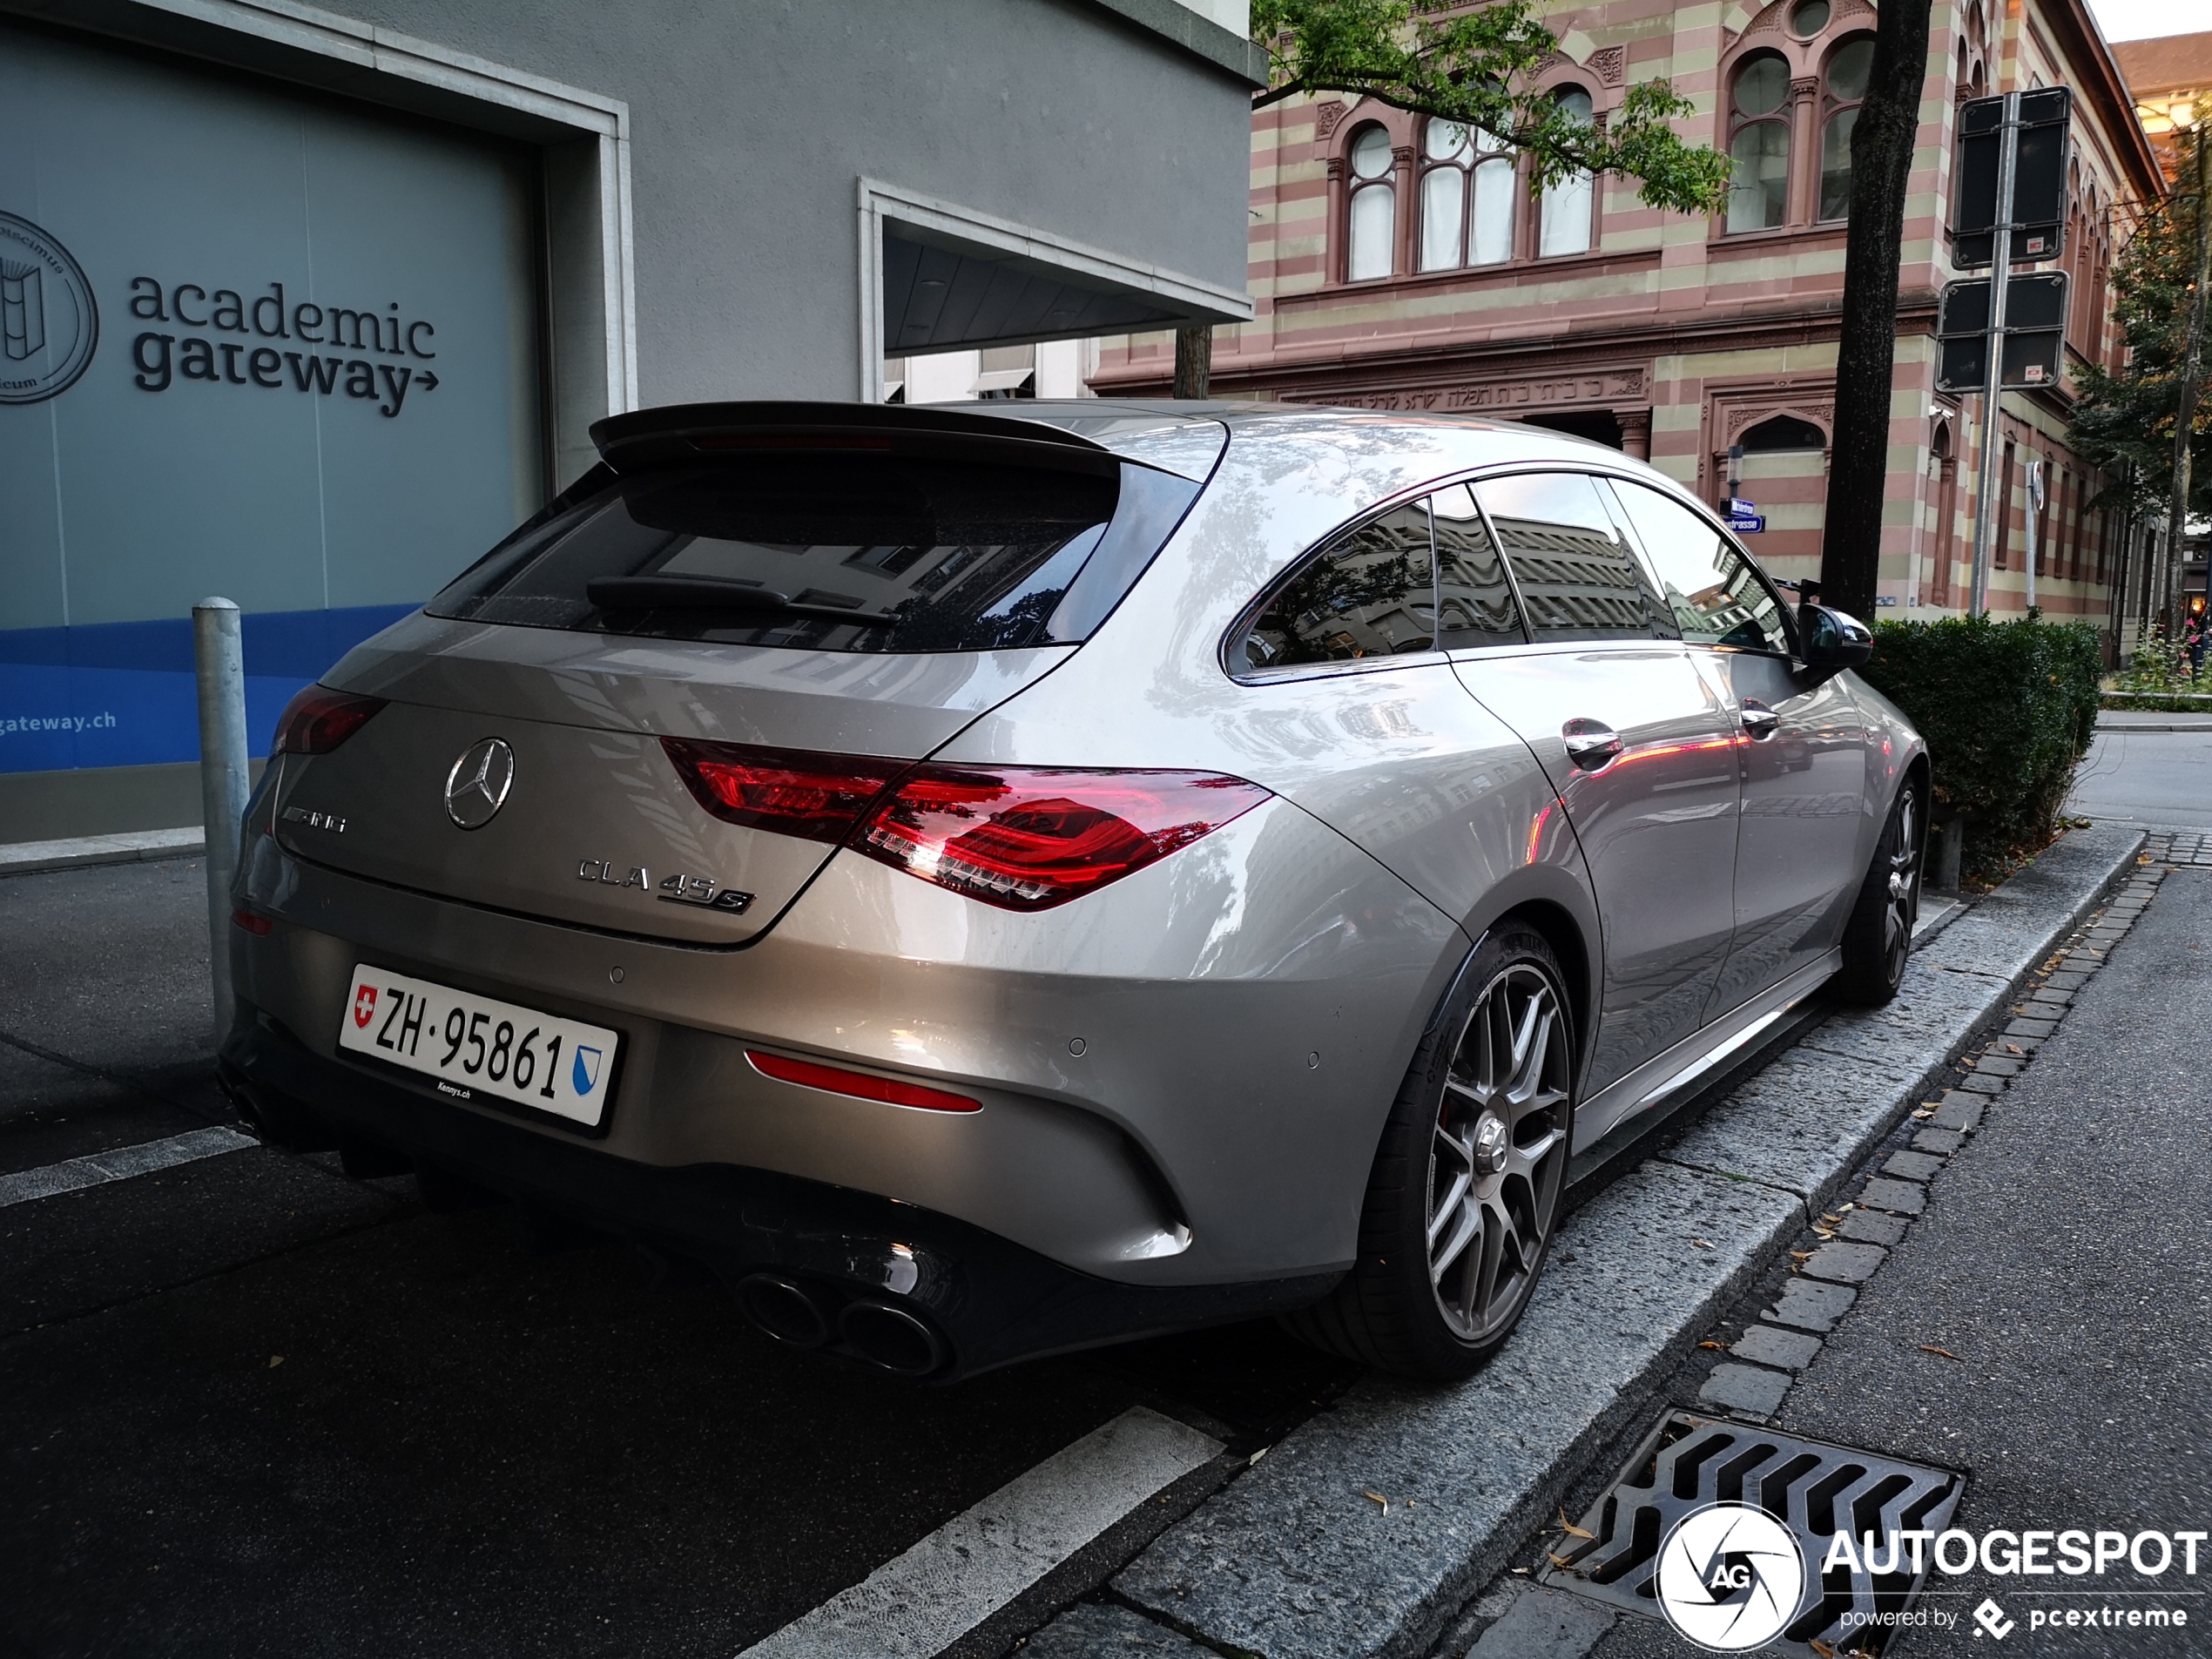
[(1747, 523), (121, 694)]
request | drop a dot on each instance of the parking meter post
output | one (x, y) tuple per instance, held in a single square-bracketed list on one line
[(1987, 509), (219, 663)]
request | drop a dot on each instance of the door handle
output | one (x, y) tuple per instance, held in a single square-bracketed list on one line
[(1759, 720), (1590, 744)]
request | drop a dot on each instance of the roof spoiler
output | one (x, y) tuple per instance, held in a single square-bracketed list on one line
[(686, 432)]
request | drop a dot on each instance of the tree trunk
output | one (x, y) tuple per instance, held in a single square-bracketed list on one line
[(2177, 511), (1194, 360), (1881, 157)]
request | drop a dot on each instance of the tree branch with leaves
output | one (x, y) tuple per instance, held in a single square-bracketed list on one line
[(1478, 68)]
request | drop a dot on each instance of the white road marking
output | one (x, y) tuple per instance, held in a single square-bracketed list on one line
[(918, 1603), (75, 1174)]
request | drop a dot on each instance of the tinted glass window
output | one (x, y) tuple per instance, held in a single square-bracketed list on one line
[(847, 552), (1475, 604), (1716, 596), (1371, 593), (1577, 577)]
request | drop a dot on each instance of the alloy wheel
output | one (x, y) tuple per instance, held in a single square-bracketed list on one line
[(1498, 1157), (1904, 886)]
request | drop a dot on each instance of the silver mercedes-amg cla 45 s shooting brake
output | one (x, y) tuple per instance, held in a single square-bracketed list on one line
[(988, 883)]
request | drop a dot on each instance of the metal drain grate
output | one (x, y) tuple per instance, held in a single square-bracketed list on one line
[(1686, 1462)]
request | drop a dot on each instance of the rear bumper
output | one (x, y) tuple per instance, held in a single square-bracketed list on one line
[(987, 1300)]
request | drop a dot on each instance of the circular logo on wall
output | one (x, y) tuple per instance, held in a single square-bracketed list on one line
[(49, 324), (1730, 1578)]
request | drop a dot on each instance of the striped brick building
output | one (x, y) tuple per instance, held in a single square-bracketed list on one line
[(1398, 263)]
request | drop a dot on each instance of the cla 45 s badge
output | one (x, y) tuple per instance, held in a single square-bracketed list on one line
[(702, 891)]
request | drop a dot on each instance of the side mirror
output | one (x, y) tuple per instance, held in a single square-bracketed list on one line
[(1832, 641)]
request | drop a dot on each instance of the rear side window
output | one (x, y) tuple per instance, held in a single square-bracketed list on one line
[(1577, 577), (1474, 606), (848, 551), (1716, 596), (1370, 593)]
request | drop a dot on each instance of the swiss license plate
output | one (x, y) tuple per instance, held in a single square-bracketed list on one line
[(475, 1046)]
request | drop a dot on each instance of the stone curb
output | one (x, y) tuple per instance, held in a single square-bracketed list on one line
[(1366, 1529), (29, 858)]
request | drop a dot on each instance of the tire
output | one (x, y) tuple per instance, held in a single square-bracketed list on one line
[(1878, 940), (1480, 1134)]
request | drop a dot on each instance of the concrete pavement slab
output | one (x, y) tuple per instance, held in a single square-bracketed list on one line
[(1845, 1264), (1906, 1197), (1769, 1345), (1806, 1305), (1871, 1227), (1744, 1388), (1100, 1630), (1543, 1624)]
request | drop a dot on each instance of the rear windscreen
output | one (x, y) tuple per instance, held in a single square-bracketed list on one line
[(853, 552)]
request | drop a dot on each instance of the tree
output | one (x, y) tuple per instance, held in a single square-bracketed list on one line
[(1881, 160), (1476, 69), (2128, 425)]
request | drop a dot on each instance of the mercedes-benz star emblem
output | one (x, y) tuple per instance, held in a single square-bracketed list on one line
[(477, 787)]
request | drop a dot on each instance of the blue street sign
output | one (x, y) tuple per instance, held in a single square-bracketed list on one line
[(1747, 523)]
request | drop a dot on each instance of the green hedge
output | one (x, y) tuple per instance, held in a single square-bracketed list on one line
[(2008, 709)]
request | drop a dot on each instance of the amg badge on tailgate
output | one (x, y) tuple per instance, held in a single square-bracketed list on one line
[(701, 891)]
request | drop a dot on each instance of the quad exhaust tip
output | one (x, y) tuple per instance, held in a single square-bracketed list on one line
[(783, 1310), (883, 1335), (891, 1337)]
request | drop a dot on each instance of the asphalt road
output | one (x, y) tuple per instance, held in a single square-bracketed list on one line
[(2147, 778), (252, 1408), (2064, 1260)]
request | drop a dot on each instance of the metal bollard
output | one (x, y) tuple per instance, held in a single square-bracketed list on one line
[(220, 661)]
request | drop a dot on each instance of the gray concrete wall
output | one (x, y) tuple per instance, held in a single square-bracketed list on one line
[(751, 123)]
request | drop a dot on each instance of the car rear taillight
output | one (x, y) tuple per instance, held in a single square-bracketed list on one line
[(820, 797), (1029, 838), (319, 719)]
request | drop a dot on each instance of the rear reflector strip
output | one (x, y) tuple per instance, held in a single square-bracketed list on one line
[(837, 1081), (241, 917)]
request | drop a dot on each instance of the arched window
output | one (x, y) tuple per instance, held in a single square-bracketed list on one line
[(1759, 142), (1373, 218), (1465, 165), (1563, 218), (1845, 89), (1781, 435), (1946, 516)]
